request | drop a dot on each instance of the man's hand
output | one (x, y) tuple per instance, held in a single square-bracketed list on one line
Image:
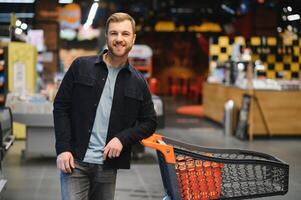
[(65, 162), (112, 149)]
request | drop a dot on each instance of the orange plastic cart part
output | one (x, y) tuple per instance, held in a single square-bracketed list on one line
[(166, 150)]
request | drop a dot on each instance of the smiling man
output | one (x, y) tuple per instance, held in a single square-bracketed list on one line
[(102, 108)]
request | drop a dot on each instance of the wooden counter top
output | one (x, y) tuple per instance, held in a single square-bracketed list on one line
[(274, 112)]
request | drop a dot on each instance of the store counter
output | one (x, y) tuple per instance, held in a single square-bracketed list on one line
[(40, 137), (273, 112)]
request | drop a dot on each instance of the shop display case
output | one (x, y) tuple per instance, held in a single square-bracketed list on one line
[(40, 138), (32, 114), (6, 140)]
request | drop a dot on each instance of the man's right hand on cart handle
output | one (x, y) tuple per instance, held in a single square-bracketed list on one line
[(65, 162)]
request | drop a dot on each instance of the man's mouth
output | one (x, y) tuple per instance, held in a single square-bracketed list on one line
[(118, 45)]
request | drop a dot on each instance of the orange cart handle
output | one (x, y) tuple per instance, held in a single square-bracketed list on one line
[(166, 150)]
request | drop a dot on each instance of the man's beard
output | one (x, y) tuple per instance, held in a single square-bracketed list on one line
[(126, 51)]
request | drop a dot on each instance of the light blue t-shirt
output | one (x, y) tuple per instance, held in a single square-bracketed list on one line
[(98, 137)]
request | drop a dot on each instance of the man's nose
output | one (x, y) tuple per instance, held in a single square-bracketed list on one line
[(119, 37)]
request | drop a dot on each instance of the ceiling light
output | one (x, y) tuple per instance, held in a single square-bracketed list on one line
[(87, 26), (289, 9), (261, 1), (91, 15), (279, 29), (65, 1), (18, 31), (240, 66), (293, 17), (284, 10), (17, 1), (228, 9), (295, 29), (18, 23), (24, 26)]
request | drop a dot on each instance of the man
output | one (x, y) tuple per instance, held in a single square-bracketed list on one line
[(102, 107)]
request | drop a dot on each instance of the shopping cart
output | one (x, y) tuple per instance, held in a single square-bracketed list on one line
[(191, 172)]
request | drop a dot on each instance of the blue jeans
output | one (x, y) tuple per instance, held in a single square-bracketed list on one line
[(88, 182)]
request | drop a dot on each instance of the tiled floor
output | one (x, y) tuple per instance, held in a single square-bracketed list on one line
[(37, 178)]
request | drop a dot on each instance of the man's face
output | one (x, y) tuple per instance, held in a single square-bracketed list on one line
[(120, 38)]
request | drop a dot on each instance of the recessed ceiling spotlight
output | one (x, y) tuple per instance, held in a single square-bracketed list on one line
[(18, 22), (18, 31), (284, 10), (279, 29), (24, 26)]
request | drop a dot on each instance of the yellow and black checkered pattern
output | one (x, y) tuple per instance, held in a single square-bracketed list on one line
[(280, 60)]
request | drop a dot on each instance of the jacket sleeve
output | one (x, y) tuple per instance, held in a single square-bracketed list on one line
[(146, 121), (62, 112)]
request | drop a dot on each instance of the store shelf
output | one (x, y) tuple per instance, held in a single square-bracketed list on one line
[(3, 73)]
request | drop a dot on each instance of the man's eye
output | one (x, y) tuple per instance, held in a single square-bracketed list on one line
[(126, 34), (113, 33)]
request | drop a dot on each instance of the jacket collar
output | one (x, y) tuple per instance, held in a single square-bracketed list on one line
[(100, 60)]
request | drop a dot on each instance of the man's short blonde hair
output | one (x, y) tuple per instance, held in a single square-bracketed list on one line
[(120, 17)]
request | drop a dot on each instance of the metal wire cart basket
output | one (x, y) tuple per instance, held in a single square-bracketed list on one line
[(193, 172)]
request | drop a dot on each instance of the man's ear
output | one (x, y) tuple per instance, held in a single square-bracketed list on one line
[(134, 39)]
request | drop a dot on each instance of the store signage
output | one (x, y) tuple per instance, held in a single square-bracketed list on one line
[(36, 38), (22, 61), (70, 16), (19, 77)]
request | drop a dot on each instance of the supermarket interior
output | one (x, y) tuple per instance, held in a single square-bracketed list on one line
[(224, 78)]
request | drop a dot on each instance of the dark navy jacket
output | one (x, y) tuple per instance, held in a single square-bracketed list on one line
[(132, 115)]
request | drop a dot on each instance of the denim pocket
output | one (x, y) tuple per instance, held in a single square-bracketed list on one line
[(105, 175)]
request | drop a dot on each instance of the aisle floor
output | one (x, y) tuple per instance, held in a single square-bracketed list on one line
[(36, 178)]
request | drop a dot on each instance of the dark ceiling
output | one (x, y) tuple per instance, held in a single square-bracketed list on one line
[(182, 12), (187, 12)]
